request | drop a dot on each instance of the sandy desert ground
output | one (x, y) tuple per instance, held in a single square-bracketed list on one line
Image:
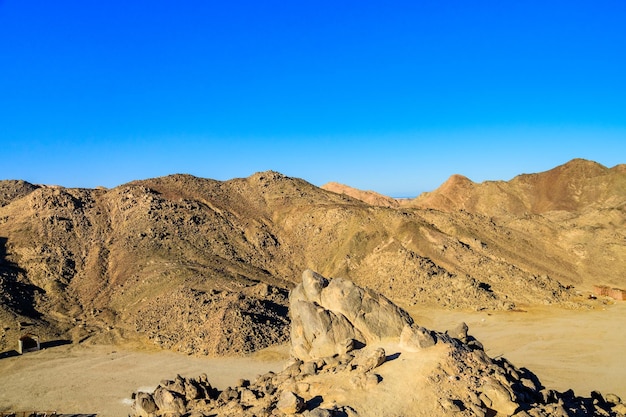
[(565, 348), (582, 350)]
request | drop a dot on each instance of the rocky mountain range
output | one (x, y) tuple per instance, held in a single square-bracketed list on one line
[(203, 266)]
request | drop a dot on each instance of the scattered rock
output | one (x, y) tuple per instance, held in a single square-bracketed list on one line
[(498, 398), (368, 360), (414, 338), (144, 405), (169, 401), (465, 381), (459, 332), (612, 399), (290, 403)]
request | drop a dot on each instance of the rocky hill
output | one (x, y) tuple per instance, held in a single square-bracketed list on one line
[(178, 259), (574, 187), (575, 214), (369, 197)]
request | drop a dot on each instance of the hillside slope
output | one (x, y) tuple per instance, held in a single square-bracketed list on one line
[(178, 259), (574, 216)]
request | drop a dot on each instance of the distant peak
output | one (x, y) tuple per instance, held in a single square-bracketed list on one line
[(583, 163), (457, 180), (267, 175), (369, 197), (579, 168)]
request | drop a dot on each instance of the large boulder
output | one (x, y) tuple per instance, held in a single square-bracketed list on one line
[(326, 314)]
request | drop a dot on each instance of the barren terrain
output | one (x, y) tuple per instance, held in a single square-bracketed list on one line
[(120, 283), (582, 350)]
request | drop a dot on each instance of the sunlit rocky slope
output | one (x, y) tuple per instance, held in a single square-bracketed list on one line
[(203, 266), (355, 353)]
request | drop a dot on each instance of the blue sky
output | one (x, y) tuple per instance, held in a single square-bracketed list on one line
[(390, 96)]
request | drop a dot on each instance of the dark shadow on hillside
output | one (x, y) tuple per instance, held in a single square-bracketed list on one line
[(9, 354), (314, 402), (18, 296), (55, 343), (3, 249)]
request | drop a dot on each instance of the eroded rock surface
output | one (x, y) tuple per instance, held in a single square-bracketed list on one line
[(327, 316), (408, 370)]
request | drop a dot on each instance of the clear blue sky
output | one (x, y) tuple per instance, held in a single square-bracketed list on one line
[(391, 96)]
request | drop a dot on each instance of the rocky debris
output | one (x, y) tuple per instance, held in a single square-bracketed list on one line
[(365, 361), (414, 338), (464, 380), (467, 384), (289, 403), (279, 394), (330, 316), (217, 322)]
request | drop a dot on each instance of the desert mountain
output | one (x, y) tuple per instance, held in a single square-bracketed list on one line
[(574, 187), (370, 197), (204, 266)]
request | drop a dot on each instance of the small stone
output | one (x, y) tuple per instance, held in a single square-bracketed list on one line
[(247, 397), (459, 332), (415, 338), (168, 401), (308, 368), (191, 391), (144, 405), (345, 346), (370, 360), (303, 387), (290, 403), (242, 383), (292, 369), (228, 394), (449, 405), (371, 380), (330, 362), (498, 398), (317, 412), (478, 410), (612, 399)]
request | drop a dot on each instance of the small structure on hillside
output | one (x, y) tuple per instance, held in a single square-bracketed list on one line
[(615, 293), (28, 343)]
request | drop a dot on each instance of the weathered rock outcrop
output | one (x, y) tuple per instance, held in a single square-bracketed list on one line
[(329, 315), (455, 377)]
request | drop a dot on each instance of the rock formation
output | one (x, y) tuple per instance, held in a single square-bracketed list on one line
[(428, 373), (327, 317)]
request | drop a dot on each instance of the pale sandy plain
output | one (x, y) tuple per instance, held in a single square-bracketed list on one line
[(575, 349)]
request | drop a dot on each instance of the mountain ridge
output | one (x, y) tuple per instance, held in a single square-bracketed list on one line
[(90, 263)]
